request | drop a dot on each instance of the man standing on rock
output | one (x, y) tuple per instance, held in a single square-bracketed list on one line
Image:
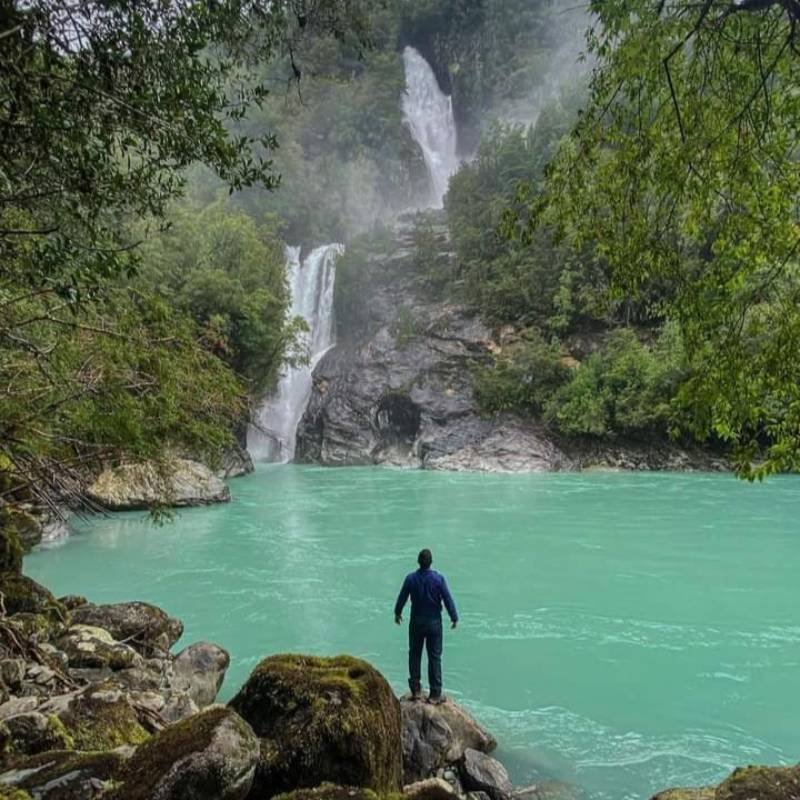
[(427, 590)]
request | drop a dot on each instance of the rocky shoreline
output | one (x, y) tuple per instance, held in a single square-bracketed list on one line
[(94, 706)]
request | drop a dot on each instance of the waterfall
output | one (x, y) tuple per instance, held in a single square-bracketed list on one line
[(311, 281), (428, 112)]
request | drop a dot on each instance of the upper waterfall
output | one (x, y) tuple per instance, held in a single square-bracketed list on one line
[(311, 281), (428, 112)]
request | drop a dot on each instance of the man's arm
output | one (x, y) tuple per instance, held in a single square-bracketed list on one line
[(449, 603), (402, 598)]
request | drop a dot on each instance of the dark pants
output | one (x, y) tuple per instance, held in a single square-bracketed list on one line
[(427, 632)]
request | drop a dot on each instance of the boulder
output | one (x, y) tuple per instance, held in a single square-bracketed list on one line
[(199, 671), (482, 773), (706, 793), (330, 791), (24, 595), (62, 775), (32, 733), (236, 461), (210, 756), (144, 627), (12, 672), (97, 718), (177, 482), (18, 705), (435, 736), (763, 783), (430, 789), (322, 720), (87, 646)]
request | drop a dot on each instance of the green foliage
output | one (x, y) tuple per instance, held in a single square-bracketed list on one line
[(228, 274), (523, 377), (683, 174), (624, 388)]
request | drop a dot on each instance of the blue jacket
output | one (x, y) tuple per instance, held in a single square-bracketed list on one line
[(427, 590)]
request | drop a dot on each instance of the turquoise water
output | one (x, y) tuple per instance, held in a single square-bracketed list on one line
[(624, 632)]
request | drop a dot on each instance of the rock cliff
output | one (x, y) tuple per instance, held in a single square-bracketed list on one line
[(397, 389)]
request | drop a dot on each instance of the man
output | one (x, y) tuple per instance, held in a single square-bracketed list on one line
[(427, 590)]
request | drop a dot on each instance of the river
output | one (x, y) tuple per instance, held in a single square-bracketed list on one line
[(625, 632)]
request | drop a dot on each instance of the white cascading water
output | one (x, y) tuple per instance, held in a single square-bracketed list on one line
[(311, 282), (428, 112)]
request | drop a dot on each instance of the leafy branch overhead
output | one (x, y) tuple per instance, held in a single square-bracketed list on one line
[(683, 173)]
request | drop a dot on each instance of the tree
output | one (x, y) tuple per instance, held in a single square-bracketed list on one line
[(683, 172), (103, 106)]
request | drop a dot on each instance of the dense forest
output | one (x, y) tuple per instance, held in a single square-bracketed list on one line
[(630, 214)]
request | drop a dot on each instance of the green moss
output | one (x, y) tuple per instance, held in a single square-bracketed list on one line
[(763, 783), (11, 793), (153, 760), (23, 595), (322, 719), (330, 791), (99, 725), (10, 547)]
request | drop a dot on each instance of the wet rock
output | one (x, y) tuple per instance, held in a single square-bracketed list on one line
[(63, 775), (435, 736), (178, 482), (144, 627), (322, 720), (482, 773), (210, 756), (430, 789), (199, 671), (91, 647)]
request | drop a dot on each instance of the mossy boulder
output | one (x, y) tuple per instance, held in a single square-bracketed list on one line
[(98, 718), (330, 791), (762, 783), (95, 648), (31, 733), (10, 793), (322, 720), (143, 626), (10, 547), (705, 793), (210, 756), (62, 775), (23, 594)]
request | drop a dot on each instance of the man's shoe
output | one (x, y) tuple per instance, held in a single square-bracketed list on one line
[(437, 699), (416, 696)]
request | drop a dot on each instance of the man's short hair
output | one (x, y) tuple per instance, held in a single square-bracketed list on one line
[(425, 558)]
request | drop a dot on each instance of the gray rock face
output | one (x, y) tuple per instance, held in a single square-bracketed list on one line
[(436, 736), (482, 773), (236, 462), (178, 483), (199, 670), (143, 626), (400, 391)]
